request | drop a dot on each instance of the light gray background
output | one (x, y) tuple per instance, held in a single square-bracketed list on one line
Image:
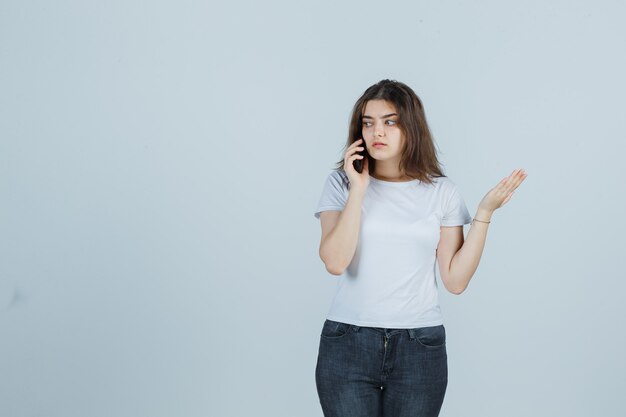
[(160, 163)]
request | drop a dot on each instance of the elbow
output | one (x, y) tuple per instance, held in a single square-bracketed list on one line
[(456, 291), (334, 270), (331, 267), (329, 263)]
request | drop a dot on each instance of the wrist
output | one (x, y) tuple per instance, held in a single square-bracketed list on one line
[(483, 214), (357, 191)]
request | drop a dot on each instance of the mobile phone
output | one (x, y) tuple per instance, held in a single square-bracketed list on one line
[(358, 163)]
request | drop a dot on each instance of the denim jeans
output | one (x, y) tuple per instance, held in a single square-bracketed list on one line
[(370, 371)]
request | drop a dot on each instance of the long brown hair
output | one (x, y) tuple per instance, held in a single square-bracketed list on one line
[(419, 156)]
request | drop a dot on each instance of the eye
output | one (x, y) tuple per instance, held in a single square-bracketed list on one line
[(392, 121), (366, 124)]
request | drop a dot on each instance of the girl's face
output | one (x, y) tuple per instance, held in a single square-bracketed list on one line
[(380, 124)]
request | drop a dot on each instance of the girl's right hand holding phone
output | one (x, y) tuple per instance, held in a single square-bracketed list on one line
[(360, 181)]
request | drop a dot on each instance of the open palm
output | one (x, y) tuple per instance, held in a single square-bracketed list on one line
[(503, 191)]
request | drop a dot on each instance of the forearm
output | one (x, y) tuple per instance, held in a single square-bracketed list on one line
[(339, 246), (465, 262)]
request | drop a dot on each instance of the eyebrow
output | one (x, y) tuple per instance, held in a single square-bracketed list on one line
[(387, 115)]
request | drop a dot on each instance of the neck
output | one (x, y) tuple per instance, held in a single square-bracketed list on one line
[(389, 170)]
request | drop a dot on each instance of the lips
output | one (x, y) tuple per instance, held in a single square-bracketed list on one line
[(378, 143)]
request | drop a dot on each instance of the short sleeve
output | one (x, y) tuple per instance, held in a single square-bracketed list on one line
[(334, 194), (455, 212)]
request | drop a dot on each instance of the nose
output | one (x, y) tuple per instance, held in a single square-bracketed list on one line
[(379, 130)]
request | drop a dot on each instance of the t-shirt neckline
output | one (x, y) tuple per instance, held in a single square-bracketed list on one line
[(394, 183)]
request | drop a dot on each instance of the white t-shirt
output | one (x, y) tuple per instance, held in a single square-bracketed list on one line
[(391, 280)]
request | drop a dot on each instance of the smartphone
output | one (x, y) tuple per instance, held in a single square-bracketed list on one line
[(358, 163)]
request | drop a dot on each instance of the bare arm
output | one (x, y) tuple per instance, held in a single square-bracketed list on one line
[(340, 233), (458, 259)]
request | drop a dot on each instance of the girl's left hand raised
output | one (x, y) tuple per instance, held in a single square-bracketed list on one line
[(502, 193)]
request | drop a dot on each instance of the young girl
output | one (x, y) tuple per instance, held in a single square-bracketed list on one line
[(382, 347)]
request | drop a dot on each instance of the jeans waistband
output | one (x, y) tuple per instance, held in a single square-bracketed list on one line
[(390, 332)]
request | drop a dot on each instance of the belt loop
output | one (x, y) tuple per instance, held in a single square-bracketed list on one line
[(411, 333)]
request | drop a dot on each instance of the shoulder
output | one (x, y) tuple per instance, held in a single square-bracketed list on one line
[(441, 183), (338, 174), (339, 178), (446, 184)]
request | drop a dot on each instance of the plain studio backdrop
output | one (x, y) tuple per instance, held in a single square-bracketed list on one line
[(160, 163)]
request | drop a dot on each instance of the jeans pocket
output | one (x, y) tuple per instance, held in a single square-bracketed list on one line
[(431, 337), (334, 329)]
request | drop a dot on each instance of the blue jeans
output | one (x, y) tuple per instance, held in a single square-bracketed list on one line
[(371, 371)]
